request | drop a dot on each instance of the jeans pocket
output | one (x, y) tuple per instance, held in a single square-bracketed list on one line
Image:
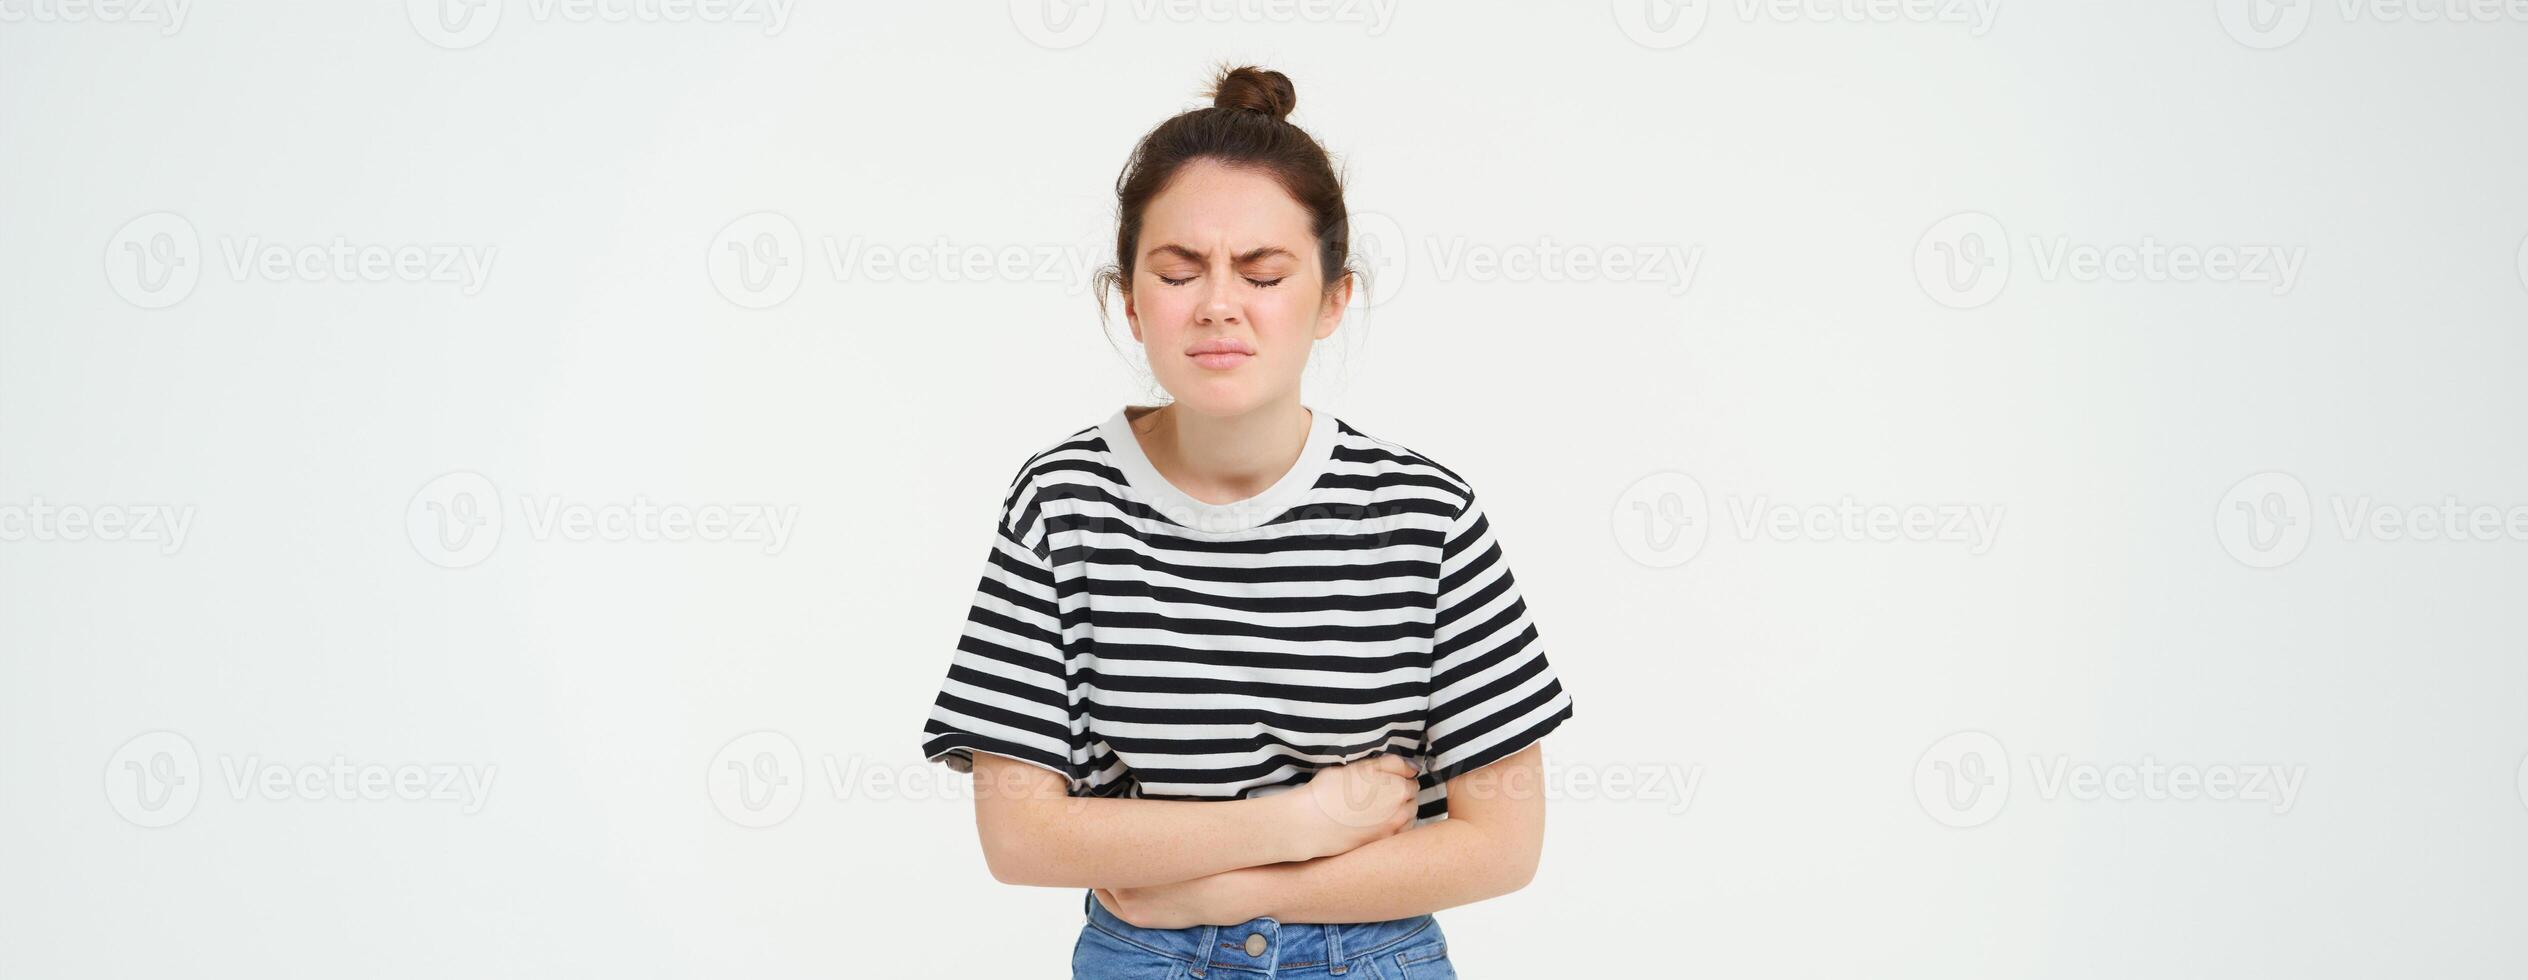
[(1099, 955)]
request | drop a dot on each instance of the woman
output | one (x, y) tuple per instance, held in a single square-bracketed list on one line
[(1259, 681)]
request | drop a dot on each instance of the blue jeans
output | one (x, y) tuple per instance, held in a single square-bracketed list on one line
[(1401, 949)]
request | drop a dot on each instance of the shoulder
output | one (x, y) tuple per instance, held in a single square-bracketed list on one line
[(1387, 461), (1074, 456)]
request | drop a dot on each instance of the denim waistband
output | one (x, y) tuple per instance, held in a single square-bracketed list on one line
[(1282, 945)]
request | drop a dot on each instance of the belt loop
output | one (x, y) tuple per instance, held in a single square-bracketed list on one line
[(1334, 951), (1203, 948)]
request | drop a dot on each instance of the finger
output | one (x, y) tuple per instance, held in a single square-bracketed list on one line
[(1394, 765)]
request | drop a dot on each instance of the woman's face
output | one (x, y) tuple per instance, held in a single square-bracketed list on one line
[(1227, 262)]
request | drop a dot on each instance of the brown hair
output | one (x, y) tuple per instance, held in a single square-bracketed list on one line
[(1245, 126)]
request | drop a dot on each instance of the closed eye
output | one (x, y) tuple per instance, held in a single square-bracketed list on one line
[(1258, 283)]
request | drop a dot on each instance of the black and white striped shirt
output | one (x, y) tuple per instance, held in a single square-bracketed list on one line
[(1144, 643)]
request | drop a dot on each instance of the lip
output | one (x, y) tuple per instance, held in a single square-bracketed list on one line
[(1220, 353)]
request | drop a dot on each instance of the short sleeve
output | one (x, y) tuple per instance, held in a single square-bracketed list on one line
[(1492, 691), (1008, 689)]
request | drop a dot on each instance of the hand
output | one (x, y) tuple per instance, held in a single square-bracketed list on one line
[(1347, 806), (1224, 899)]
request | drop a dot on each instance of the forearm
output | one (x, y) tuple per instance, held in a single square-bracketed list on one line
[(1488, 846), (1426, 869), (1126, 843)]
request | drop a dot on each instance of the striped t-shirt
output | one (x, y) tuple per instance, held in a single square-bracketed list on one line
[(1143, 643)]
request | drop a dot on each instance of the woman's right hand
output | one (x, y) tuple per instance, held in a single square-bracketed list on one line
[(1346, 806)]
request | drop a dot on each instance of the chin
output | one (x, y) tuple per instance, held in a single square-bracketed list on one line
[(1216, 396)]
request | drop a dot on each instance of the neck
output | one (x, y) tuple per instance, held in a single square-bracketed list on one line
[(1220, 459)]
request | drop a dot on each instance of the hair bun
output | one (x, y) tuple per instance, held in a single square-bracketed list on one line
[(1255, 89)]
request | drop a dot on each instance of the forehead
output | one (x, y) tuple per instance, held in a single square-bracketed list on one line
[(1209, 202)]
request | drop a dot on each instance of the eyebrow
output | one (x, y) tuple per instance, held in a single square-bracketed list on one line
[(1248, 257)]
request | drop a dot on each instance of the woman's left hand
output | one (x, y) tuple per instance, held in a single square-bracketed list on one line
[(1224, 899)]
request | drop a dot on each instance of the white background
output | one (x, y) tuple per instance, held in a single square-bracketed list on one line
[(1841, 338)]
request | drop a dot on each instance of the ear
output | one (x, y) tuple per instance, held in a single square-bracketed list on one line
[(1132, 317), (1330, 312)]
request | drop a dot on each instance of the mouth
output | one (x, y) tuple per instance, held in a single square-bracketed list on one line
[(1221, 354)]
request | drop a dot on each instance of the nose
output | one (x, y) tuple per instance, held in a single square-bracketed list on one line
[(1218, 306)]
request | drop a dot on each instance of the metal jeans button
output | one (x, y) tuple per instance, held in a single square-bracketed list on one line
[(1254, 944)]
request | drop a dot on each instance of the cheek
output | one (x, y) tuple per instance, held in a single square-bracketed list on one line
[(1282, 302), (1287, 313), (1163, 308)]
